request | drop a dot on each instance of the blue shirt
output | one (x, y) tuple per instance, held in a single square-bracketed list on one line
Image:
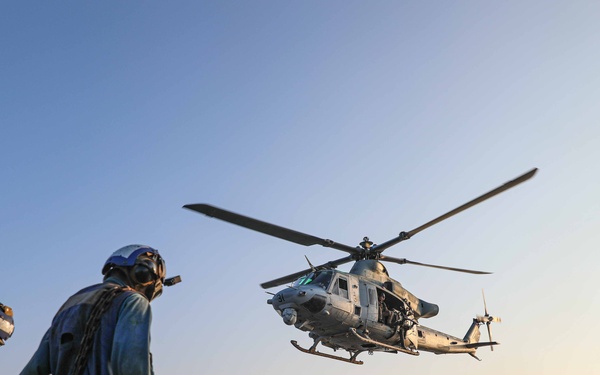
[(121, 345)]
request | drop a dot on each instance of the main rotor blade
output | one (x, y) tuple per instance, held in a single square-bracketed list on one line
[(267, 228), (477, 200), (406, 261), (294, 276), (406, 235)]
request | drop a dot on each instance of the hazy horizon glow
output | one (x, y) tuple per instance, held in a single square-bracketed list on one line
[(341, 119)]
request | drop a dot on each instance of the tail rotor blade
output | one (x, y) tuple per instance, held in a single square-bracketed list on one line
[(490, 334), (484, 304)]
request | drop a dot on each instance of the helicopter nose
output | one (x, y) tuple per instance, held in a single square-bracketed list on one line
[(303, 300), (286, 298)]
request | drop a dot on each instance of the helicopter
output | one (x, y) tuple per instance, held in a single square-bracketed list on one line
[(363, 310)]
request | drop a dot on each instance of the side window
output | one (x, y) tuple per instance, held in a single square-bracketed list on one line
[(372, 298), (340, 287), (343, 284)]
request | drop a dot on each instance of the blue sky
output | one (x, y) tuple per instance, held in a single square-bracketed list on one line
[(339, 119)]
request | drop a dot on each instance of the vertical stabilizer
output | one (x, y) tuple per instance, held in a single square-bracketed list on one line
[(473, 334)]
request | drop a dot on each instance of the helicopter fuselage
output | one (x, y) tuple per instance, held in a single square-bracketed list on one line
[(341, 310)]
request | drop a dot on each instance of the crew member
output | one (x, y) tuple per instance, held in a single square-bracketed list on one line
[(7, 324), (105, 328), (407, 321), (384, 312)]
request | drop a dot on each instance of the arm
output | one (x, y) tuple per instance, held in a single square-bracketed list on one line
[(39, 364), (131, 344)]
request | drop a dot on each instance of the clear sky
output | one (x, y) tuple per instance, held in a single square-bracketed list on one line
[(336, 118)]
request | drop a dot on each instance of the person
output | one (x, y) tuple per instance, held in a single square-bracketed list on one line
[(407, 321), (105, 328), (7, 324), (384, 312)]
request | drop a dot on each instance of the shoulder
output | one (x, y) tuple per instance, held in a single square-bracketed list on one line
[(134, 298), (134, 301), (134, 312)]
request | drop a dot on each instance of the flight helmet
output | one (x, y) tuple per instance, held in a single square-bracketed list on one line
[(144, 267)]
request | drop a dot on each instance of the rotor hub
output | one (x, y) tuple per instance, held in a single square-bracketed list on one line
[(367, 250), (366, 244)]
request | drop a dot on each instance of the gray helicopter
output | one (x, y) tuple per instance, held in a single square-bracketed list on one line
[(363, 310)]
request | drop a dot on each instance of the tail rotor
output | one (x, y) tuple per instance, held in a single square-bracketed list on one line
[(487, 319)]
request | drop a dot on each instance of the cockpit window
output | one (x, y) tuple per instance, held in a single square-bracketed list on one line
[(319, 278), (306, 279)]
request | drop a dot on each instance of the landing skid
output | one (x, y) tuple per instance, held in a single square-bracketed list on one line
[(378, 343), (313, 351)]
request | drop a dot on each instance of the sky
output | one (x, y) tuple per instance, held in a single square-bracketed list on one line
[(341, 119)]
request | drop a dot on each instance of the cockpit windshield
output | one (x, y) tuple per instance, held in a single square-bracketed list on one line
[(318, 278)]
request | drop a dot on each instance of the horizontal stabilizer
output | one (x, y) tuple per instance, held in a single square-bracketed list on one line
[(479, 344)]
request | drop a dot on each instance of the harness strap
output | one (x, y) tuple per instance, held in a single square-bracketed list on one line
[(98, 310)]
